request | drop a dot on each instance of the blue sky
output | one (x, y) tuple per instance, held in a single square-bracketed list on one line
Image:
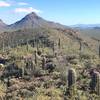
[(68, 12)]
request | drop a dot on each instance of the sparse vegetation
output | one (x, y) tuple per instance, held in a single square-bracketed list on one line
[(48, 64)]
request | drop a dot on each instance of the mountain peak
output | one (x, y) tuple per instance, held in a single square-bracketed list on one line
[(32, 15), (32, 20)]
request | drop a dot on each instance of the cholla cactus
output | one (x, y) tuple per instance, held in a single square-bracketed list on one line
[(95, 82), (71, 77)]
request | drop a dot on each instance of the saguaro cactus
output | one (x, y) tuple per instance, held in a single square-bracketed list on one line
[(37, 46), (3, 46), (23, 71), (43, 62), (99, 50), (27, 45), (8, 82), (33, 44), (80, 48), (59, 43), (35, 57), (72, 81), (95, 82), (71, 77), (53, 47)]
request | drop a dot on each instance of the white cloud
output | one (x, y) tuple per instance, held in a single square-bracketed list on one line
[(4, 4), (22, 3), (27, 10)]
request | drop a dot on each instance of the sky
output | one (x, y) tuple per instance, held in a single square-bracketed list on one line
[(67, 12)]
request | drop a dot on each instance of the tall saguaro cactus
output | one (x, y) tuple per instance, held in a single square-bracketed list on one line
[(59, 43), (27, 46), (43, 62), (80, 48), (71, 77), (53, 47), (99, 50), (72, 81), (35, 57), (95, 83), (3, 46)]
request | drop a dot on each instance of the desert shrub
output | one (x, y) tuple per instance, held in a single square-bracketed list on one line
[(85, 56), (89, 64), (2, 90), (50, 66), (56, 75), (26, 93), (39, 72), (74, 61)]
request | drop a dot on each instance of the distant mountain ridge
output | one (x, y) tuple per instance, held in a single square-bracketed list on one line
[(31, 20), (86, 26)]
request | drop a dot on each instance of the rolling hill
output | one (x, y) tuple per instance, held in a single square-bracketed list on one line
[(91, 30)]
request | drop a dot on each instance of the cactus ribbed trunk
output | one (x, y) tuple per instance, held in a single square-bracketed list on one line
[(71, 77), (95, 83), (72, 81)]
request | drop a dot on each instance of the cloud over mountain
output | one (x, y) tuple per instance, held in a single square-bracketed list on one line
[(27, 10)]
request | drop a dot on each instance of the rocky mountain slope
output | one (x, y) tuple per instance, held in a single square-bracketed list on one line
[(32, 20), (32, 26)]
